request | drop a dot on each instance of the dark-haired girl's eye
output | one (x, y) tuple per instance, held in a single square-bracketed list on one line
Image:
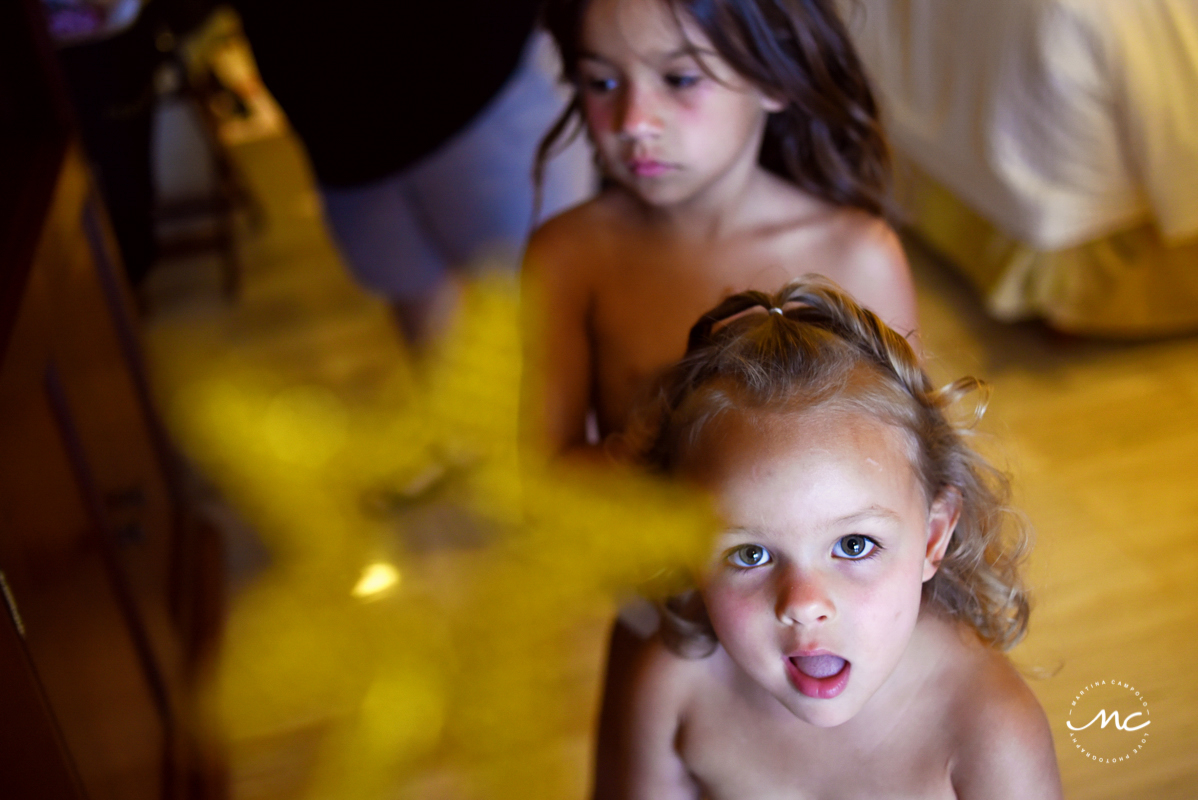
[(749, 555), (599, 85), (854, 547), (682, 81)]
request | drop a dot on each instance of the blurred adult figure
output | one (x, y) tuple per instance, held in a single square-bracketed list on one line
[(421, 122)]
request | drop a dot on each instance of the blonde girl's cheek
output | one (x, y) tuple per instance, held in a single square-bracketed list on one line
[(730, 605), (892, 599)]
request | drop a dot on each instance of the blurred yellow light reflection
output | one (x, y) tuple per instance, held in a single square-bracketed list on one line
[(376, 579)]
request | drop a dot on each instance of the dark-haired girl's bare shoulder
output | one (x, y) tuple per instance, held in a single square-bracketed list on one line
[(567, 253), (873, 261), (858, 250), (576, 232)]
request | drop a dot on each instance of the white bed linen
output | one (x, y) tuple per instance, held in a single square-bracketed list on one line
[(1058, 120)]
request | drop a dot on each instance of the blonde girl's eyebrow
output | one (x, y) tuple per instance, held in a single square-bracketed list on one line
[(873, 512), (742, 533), (738, 534)]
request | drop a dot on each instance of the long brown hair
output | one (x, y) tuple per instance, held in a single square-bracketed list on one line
[(824, 350), (828, 138)]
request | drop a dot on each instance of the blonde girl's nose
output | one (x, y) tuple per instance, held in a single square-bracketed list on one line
[(804, 599)]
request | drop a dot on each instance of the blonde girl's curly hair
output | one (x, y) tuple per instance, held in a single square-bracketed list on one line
[(814, 347)]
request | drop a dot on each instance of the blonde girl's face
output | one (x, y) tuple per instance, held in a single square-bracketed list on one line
[(814, 588), (668, 127)]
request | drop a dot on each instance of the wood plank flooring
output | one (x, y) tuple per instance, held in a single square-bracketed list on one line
[(1102, 442), (1101, 439)]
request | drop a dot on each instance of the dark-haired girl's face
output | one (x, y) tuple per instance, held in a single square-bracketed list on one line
[(672, 121)]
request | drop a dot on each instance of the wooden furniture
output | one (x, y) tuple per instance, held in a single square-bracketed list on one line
[(207, 221), (99, 561), (1047, 149)]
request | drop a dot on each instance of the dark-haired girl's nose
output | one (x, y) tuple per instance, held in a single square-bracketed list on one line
[(640, 114)]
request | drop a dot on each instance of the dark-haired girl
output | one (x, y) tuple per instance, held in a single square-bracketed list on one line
[(741, 148)]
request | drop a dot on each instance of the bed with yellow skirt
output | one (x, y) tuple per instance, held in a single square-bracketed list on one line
[(1049, 150)]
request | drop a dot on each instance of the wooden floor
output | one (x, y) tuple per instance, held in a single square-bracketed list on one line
[(1103, 444), (1101, 439)]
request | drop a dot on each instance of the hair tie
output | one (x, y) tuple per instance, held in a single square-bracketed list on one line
[(776, 310)]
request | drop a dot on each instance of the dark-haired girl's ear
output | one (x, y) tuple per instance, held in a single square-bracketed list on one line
[(942, 521), (772, 105)]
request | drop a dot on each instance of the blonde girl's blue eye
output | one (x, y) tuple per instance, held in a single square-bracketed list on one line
[(748, 556), (854, 547)]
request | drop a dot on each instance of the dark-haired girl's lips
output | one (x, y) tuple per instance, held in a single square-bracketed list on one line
[(822, 676), (645, 168)]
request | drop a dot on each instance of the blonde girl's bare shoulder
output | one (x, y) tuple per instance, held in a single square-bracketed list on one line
[(1004, 746)]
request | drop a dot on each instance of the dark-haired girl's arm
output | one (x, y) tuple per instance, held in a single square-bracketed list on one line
[(558, 358), (637, 754)]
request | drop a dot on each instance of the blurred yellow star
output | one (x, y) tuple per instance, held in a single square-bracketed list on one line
[(416, 631)]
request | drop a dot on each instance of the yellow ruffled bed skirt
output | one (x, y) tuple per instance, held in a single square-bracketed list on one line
[(1129, 284)]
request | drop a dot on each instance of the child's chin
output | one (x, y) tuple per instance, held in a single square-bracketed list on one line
[(659, 194), (651, 196), (823, 713)]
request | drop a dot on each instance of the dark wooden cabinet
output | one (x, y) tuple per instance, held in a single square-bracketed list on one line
[(99, 560), (93, 597), (36, 763)]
